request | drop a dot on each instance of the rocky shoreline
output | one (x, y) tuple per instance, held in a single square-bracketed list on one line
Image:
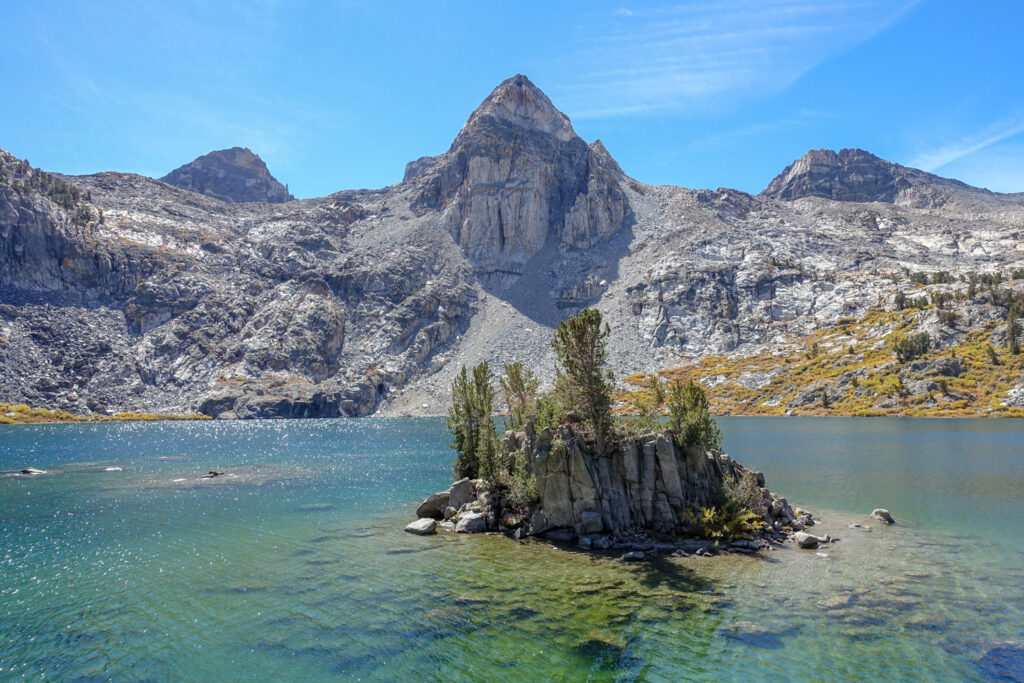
[(647, 496)]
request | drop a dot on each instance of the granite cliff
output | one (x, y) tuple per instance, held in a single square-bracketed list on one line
[(120, 292)]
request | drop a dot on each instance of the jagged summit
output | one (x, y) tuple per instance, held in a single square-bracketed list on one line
[(855, 175), (232, 175), (519, 103), (516, 174)]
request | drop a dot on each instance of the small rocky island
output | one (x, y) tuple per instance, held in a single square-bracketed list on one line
[(569, 470)]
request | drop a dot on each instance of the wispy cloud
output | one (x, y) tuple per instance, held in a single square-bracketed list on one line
[(948, 153), (684, 56)]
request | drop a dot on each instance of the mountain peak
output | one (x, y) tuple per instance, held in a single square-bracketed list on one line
[(854, 175), (516, 174), (520, 103), (232, 175)]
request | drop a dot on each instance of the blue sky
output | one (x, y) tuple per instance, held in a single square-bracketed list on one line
[(339, 95)]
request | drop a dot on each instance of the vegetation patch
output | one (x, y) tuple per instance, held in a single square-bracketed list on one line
[(19, 413)]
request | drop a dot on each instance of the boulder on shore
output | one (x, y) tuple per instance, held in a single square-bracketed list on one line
[(882, 515), (471, 523), (424, 526), (463, 491), (434, 505)]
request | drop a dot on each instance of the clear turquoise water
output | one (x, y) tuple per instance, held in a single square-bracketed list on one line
[(295, 566)]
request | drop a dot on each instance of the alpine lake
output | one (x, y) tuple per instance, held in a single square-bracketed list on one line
[(120, 563)]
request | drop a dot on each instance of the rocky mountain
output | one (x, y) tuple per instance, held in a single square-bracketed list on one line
[(232, 175), (121, 292), (853, 175)]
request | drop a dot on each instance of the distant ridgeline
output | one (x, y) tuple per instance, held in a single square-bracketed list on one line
[(567, 469)]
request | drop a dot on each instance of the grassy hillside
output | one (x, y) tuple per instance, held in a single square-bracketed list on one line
[(853, 368)]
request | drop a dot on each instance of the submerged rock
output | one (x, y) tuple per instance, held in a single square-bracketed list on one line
[(590, 523), (424, 526), (882, 515), (1002, 661)]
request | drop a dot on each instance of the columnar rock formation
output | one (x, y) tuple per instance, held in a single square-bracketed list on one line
[(645, 484), (644, 487)]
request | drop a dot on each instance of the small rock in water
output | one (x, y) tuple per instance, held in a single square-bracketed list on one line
[(422, 527), (32, 470), (212, 474), (882, 515), (862, 527), (805, 540)]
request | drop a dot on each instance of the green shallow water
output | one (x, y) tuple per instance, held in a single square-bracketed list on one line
[(295, 566)]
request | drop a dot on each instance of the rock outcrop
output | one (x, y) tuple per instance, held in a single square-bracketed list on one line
[(231, 175), (646, 484), (414, 169), (643, 488)]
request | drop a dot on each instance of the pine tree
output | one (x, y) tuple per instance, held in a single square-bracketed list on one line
[(582, 378), (463, 428), (520, 388), (487, 439), (474, 436), (690, 416)]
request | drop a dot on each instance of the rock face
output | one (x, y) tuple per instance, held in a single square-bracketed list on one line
[(231, 175), (646, 484), (517, 175)]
